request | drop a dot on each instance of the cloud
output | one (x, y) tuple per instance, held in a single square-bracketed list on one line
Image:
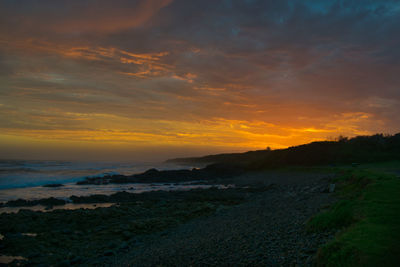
[(80, 17), (239, 73)]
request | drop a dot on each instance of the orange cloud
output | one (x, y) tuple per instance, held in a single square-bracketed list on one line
[(149, 64), (188, 77)]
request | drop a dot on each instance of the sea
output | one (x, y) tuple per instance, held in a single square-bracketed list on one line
[(24, 179)]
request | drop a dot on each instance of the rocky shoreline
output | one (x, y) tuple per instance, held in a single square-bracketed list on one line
[(267, 230), (209, 173), (259, 221)]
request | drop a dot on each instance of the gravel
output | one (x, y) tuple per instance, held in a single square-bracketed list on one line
[(267, 230)]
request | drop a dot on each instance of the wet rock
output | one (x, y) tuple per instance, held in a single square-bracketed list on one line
[(28, 203), (18, 203), (53, 185), (51, 201)]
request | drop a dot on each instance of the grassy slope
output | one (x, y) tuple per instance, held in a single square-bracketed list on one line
[(368, 217)]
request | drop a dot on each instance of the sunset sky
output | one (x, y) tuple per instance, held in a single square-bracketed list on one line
[(154, 79)]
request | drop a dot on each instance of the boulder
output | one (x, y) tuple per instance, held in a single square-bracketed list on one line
[(332, 188)]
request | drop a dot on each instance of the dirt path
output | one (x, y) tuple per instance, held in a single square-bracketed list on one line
[(268, 230)]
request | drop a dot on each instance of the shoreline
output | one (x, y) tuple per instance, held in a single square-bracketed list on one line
[(129, 189), (20, 174), (149, 180), (112, 234)]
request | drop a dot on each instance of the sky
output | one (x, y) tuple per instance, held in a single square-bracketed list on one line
[(155, 79)]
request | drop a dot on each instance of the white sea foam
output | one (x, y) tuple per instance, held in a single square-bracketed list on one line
[(25, 179), (22, 173)]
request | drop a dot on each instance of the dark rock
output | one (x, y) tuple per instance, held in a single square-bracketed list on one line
[(332, 188), (66, 231), (124, 246), (211, 172), (53, 185), (51, 201), (310, 251), (65, 263), (108, 253), (325, 189), (18, 203), (151, 172), (28, 203), (126, 234), (76, 260)]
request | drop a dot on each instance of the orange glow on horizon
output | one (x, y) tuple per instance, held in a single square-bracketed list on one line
[(216, 132)]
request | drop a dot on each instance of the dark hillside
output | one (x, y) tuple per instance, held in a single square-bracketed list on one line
[(360, 149)]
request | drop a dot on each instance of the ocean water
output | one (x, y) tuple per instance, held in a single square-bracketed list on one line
[(25, 178), (29, 173)]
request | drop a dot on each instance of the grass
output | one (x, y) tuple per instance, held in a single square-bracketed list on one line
[(340, 215), (386, 165), (367, 218)]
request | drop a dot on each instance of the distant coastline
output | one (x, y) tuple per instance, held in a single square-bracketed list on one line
[(359, 149)]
